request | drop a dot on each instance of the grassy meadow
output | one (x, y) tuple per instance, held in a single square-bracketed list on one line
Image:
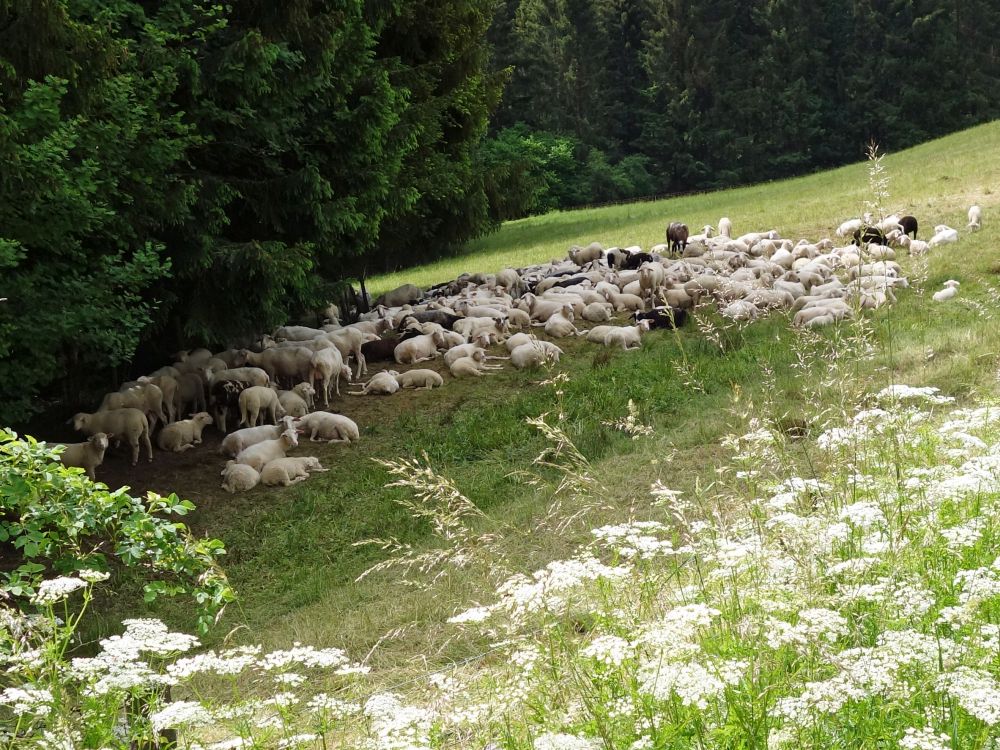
[(534, 494)]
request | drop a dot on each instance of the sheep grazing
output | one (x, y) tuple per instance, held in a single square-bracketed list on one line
[(333, 428), (407, 294), (287, 471), (88, 455), (677, 236), (422, 379), (259, 455), (183, 434), (908, 225), (232, 444), (239, 477), (129, 424), (975, 218), (584, 255), (382, 383), (849, 227), (950, 291)]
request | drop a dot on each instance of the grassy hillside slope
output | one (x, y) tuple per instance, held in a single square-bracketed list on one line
[(291, 553)]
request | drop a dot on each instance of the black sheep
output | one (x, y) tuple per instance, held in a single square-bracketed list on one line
[(383, 350), (634, 260), (223, 396), (868, 235), (663, 317), (909, 224)]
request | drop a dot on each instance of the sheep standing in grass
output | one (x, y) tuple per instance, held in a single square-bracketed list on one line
[(975, 218), (88, 455), (183, 434)]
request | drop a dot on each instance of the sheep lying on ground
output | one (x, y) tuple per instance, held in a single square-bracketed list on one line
[(183, 434), (259, 455), (122, 424), (950, 291), (382, 383), (424, 379), (239, 477), (628, 337), (237, 441), (287, 471), (333, 428), (88, 455), (473, 365), (533, 353)]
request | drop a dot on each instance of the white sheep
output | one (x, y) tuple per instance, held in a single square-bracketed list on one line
[(423, 379), (420, 348), (725, 227), (183, 434), (128, 424), (527, 356), (944, 236), (950, 291), (975, 218), (255, 402), (849, 227), (333, 428), (597, 312), (473, 365), (265, 451), (382, 383), (740, 310), (87, 455), (297, 402), (584, 255), (327, 366), (287, 471), (561, 325), (239, 477), (145, 396), (233, 443), (627, 336), (518, 339)]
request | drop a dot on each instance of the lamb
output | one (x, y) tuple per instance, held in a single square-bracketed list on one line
[(287, 471), (624, 301), (527, 356), (518, 339), (627, 336), (232, 444), (87, 455), (950, 291), (265, 451), (725, 227), (298, 401), (651, 277), (472, 365), (239, 477), (975, 218), (633, 261), (424, 379), (184, 434), (327, 365), (334, 428), (382, 383), (740, 310), (255, 401), (128, 423)]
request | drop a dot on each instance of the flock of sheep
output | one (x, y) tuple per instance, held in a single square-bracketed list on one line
[(274, 391)]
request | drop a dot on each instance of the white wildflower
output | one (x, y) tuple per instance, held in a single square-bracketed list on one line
[(554, 741), (907, 392), (609, 650), (924, 739), (181, 714), (56, 589), (975, 691), (23, 700), (93, 576)]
